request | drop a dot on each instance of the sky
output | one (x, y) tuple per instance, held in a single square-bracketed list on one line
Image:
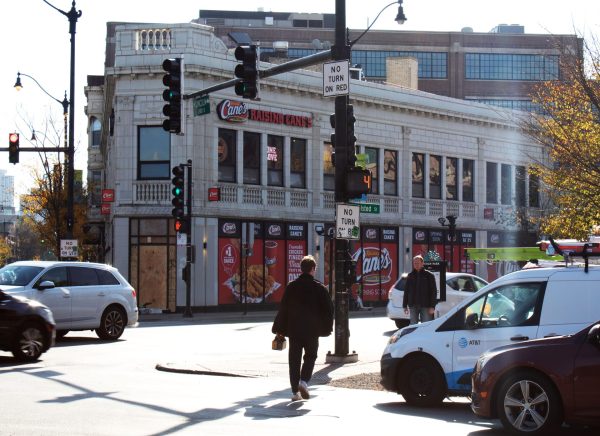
[(37, 43)]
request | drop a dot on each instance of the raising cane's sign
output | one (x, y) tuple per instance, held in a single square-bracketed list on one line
[(238, 112)]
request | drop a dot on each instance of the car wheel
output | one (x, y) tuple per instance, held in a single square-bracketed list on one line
[(422, 382), (400, 323), (61, 333), (528, 403), (30, 343), (112, 324)]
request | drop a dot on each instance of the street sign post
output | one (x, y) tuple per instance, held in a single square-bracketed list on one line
[(347, 225), (369, 208), (68, 248), (336, 78)]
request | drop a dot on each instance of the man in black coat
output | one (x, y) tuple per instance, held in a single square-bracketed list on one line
[(306, 312), (420, 293)]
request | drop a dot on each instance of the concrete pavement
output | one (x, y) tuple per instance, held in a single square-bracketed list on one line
[(367, 341)]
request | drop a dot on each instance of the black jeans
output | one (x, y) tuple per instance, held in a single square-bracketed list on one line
[(310, 347)]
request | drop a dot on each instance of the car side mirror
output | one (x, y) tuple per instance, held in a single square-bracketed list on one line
[(46, 284), (594, 335), (472, 321)]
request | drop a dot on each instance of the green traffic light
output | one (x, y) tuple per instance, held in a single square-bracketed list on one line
[(177, 191)]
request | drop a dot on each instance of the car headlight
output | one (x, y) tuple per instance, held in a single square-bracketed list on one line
[(399, 334)]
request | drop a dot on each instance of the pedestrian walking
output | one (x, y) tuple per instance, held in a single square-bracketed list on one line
[(420, 293), (305, 313)]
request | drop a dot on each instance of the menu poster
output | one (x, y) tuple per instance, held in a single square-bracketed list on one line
[(389, 256), (296, 249), (229, 261), (274, 260), (436, 243)]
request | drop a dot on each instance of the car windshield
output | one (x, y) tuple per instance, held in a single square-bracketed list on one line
[(18, 275)]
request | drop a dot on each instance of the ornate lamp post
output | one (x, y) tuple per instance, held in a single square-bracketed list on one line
[(451, 234)]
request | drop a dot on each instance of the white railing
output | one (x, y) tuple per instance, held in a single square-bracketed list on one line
[(153, 39), (154, 193)]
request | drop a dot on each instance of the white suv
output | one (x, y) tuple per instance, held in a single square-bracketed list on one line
[(81, 295), (458, 287)]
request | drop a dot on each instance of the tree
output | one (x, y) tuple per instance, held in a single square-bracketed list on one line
[(569, 128), (44, 208)]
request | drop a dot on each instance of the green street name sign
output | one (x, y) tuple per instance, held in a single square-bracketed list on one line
[(369, 208), (201, 105)]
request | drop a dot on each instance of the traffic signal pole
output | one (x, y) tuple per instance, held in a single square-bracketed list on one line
[(341, 51), (188, 246)]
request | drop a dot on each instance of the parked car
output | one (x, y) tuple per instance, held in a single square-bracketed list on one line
[(81, 295), (458, 287), (534, 386), (426, 362), (27, 327)]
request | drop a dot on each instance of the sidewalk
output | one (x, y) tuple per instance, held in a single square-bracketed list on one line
[(367, 329)]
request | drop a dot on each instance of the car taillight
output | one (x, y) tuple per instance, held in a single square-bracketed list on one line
[(133, 293), (390, 294)]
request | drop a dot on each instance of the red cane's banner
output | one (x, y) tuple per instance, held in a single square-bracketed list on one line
[(238, 112)]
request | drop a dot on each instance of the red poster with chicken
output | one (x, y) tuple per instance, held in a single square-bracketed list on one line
[(256, 285), (376, 261), (229, 262)]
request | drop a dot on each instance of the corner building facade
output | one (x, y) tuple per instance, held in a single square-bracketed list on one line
[(263, 178)]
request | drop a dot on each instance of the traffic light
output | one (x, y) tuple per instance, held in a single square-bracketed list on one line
[(351, 139), (247, 71), (178, 202), (13, 148), (358, 182), (173, 80)]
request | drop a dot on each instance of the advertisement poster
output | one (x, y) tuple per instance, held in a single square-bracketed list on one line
[(376, 261), (229, 261), (466, 240), (274, 260), (420, 243), (296, 249)]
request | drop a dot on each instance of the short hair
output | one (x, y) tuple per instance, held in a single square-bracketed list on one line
[(419, 257), (308, 264)]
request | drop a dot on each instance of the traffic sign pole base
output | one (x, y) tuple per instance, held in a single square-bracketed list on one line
[(341, 358)]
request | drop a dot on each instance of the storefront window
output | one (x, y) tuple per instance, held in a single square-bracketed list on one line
[(435, 179), (520, 175), (328, 169), (467, 180), (298, 163), (451, 164), (226, 155), (506, 184), (372, 165), (252, 158), (491, 182), (275, 160), (418, 187), (154, 153), (390, 186), (534, 191)]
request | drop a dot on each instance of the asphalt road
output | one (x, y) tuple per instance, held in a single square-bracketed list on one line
[(87, 387)]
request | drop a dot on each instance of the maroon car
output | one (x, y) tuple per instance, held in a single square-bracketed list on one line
[(535, 386)]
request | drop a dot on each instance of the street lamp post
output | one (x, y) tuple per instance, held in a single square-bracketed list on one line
[(72, 15), (451, 224)]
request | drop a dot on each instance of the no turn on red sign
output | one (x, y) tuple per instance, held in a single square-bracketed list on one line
[(347, 224), (336, 78)]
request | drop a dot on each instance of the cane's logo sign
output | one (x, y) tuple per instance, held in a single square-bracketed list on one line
[(232, 111), (371, 234), (229, 228), (376, 265), (420, 235), (274, 230)]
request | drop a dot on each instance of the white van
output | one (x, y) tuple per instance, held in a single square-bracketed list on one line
[(426, 362)]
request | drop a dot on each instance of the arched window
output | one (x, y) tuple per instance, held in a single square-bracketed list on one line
[(95, 129)]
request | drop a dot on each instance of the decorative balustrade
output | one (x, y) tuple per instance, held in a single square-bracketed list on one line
[(152, 192), (154, 39)]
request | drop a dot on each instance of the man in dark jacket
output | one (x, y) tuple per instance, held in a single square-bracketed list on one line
[(420, 293), (306, 312)]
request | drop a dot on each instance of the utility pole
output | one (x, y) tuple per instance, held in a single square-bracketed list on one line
[(341, 51)]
